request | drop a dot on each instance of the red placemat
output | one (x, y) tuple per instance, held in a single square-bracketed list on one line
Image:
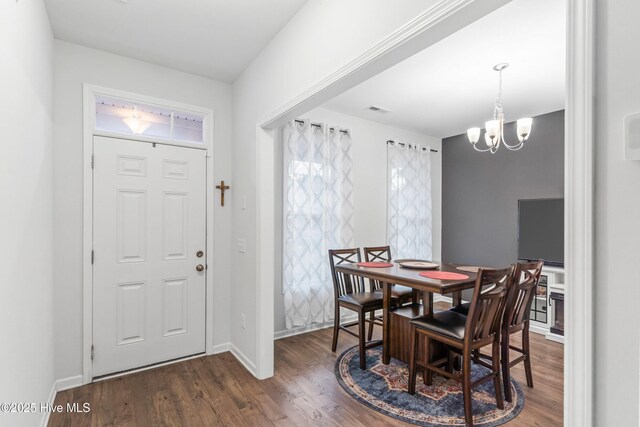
[(375, 264), (443, 275)]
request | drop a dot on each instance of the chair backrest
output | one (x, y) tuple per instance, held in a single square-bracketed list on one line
[(345, 283), (377, 254), (487, 307), (521, 293)]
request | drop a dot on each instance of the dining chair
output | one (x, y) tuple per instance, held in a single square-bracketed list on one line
[(402, 294), (516, 318), (465, 334), (350, 293), (522, 291)]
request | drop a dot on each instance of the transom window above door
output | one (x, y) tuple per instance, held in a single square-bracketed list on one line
[(126, 117)]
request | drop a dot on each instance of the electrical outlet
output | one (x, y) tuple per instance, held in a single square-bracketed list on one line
[(243, 321), (242, 246)]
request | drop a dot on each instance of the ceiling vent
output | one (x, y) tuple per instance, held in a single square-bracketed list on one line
[(377, 109)]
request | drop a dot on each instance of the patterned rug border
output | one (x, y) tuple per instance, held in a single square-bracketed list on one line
[(513, 414)]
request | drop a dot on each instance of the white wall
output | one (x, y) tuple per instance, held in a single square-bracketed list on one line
[(319, 40), (73, 66), (369, 141), (617, 201), (26, 191)]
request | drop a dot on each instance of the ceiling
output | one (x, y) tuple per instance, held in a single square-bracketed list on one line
[(451, 86), (212, 38)]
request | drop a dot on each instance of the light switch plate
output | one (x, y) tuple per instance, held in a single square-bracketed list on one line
[(632, 137)]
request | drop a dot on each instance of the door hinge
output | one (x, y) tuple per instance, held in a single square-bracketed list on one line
[(93, 161), (92, 351), (93, 257)]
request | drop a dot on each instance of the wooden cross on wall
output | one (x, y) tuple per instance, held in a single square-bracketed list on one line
[(222, 188)]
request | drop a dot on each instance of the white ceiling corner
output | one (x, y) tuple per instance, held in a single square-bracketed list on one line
[(217, 39), (451, 86)]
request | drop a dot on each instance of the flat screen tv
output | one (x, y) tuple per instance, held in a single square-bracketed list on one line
[(541, 230)]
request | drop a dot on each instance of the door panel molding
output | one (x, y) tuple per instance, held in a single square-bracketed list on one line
[(130, 303), (148, 293)]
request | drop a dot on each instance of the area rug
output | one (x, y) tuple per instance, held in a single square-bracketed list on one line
[(383, 388)]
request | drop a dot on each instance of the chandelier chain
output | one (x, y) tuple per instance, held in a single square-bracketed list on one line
[(498, 107)]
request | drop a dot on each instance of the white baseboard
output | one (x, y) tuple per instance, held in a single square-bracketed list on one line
[(555, 337), (301, 330), (221, 348), (60, 385), (67, 383), (310, 328), (248, 364), (52, 397), (538, 329)]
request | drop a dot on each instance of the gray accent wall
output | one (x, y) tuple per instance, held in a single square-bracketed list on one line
[(480, 191)]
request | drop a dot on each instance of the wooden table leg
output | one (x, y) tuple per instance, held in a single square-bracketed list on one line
[(386, 304), (457, 298), (427, 303), (414, 296)]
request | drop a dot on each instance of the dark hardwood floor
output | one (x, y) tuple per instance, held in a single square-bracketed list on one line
[(218, 391)]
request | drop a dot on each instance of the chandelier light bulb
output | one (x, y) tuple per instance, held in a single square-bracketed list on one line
[(524, 128), (493, 128), (473, 134)]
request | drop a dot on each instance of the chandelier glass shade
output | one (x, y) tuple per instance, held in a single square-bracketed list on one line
[(494, 129)]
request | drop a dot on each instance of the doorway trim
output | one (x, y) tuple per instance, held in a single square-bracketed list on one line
[(89, 92), (579, 183), (579, 206)]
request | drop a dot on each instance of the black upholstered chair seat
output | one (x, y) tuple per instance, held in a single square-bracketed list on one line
[(363, 299), (401, 292), (462, 308), (447, 323)]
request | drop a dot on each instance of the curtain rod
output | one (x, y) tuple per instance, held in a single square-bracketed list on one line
[(318, 125), (402, 144)]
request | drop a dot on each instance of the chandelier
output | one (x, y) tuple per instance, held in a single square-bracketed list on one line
[(494, 129)]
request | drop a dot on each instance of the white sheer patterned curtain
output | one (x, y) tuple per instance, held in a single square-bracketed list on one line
[(409, 201), (318, 216)]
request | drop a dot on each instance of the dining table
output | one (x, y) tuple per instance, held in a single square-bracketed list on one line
[(410, 277)]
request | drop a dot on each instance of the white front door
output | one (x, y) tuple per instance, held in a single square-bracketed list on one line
[(149, 242)]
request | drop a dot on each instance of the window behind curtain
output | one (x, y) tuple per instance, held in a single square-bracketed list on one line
[(317, 216)]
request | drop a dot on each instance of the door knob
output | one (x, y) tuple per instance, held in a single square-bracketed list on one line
[(199, 267)]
